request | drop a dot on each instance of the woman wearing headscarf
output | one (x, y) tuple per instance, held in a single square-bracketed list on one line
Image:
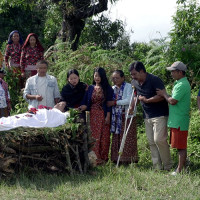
[(13, 50), (32, 51), (122, 97)]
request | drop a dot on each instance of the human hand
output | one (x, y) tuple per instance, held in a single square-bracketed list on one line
[(110, 103), (38, 97), (143, 98), (82, 108), (107, 120), (23, 75), (160, 92)]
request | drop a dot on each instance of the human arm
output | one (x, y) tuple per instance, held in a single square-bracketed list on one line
[(107, 119), (153, 99), (23, 60), (7, 55), (168, 98), (34, 97), (56, 92)]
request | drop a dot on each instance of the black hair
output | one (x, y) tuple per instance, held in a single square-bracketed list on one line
[(138, 66), (72, 71), (104, 80), (42, 62), (120, 72)]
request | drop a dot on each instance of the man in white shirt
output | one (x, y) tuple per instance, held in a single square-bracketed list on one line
[(41, 89)]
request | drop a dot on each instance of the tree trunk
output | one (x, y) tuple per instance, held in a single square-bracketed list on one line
[(74, 15)]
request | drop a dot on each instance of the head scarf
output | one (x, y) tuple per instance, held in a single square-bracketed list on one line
[(27, 43), (10, 37)]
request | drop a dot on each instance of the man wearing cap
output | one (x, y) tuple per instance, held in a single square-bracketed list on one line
[(179, 108), (5, 104), (155, 113)]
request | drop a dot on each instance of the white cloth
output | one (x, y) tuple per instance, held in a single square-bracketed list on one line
[(42, 118), (41, 85)]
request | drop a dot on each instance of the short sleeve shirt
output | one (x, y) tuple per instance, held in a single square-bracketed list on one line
[(148, 89), (179, 113), (199, 93)]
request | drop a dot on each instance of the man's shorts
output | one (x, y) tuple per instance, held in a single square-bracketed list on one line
[(178, 138)]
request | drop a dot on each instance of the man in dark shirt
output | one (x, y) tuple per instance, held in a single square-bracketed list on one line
[(155, 113)]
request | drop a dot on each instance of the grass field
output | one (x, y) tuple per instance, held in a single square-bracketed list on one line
[(106, 182)]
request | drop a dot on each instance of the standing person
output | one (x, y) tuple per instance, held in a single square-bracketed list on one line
[(1, 60), (73, 92), (32, 51), (155, 113), (198, 100), (95, 101), (13, 50), (179, 108), (122, 97), (5, 104), (41, 89)]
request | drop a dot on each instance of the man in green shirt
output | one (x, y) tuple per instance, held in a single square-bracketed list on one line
[(179, 108)]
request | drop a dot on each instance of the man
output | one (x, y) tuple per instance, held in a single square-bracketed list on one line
[(179, 108), (198, 100), (41, 89), (155, 112)]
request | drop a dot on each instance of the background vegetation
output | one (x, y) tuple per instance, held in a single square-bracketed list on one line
[(106, 44)]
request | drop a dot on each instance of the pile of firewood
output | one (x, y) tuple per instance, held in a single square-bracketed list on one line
[(60, 149)]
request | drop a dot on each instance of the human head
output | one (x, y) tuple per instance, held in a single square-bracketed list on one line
[(177, 69), (118, 77), (178, 65), (42, 66), (137, 71), (73, 77), (27, 42), (102, 74), (10, 37)]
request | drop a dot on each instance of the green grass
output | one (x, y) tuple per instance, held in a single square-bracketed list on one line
[(109, 182)]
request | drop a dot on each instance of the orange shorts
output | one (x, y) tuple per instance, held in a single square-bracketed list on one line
[(178, 138)]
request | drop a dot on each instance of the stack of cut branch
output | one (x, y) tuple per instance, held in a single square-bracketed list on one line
[(59, 149)]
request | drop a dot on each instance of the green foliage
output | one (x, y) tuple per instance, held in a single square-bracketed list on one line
[(85, 59), (102, 32), (185, 36), (52, 24)]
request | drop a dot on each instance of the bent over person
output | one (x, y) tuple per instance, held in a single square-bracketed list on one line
[(179, 108), (41, 89), (155, 113)]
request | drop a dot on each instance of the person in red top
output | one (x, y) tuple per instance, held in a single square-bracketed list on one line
[(32, 52), (13, 50)]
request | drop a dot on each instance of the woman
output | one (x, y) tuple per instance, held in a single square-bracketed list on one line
[(73, 92), (95, 100), (122, 97), (13, 50), (1, 60), (32, 51), (5, 104)]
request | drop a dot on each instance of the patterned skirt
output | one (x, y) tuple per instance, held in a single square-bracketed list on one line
[(100, 132), (130, 153)]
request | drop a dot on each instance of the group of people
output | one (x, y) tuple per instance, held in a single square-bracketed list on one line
[(109, 106), (22, 56)]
